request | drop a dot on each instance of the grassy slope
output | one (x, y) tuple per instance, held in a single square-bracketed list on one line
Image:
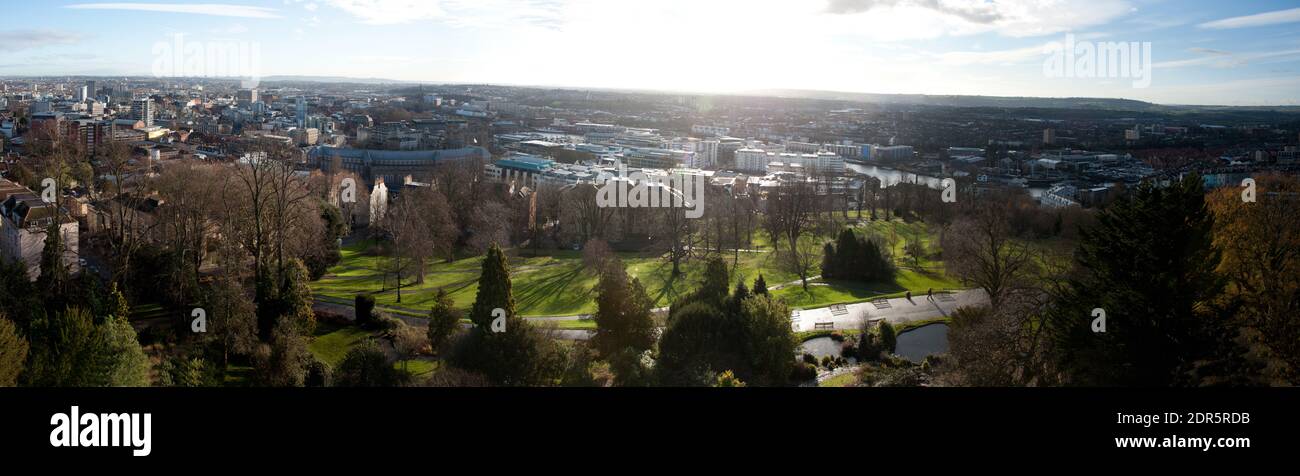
[(556, 283)]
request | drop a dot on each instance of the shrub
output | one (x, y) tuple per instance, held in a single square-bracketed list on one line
[(386, 323), (868, 346), (849, 349), (365, 308), (319, 374), (728, 379), (366, 365), (888, 338), (803, 373), (828, 362), (809, 358)]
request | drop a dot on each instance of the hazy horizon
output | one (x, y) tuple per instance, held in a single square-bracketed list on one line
[(1200, 52)]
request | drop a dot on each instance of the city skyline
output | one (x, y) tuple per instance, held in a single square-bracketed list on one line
[(1239, 54)]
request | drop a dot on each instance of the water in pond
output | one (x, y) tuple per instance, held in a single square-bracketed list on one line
[(916, 344), (821, 346)]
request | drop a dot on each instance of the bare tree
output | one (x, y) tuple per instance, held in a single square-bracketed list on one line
[(980, 249), (587, 220), (409, 241), (190, 198), (128, 185), (791, 212)]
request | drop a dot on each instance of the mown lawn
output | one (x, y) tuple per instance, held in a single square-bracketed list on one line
[(847, 292), (332, 342), (557, 283), (417, 367)]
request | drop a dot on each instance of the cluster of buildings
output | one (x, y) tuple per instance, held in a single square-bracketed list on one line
[(25, 222)]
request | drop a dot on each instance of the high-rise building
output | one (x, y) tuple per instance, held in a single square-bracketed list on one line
[(302, 111), (707, 153), (91, 91), (1133, 134), (246, 97), (142, 110), (1049, 136)]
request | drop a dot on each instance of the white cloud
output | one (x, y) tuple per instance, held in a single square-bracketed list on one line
[(1012, 56), (1258, 19), (15, 40), (214, 9), (908, 19), (1226, 59), (389, 12)]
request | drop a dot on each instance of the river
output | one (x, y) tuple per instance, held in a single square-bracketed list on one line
[(890, 176)]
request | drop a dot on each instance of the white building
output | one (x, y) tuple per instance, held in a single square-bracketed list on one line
[(26, 220), (752, 160), (142, 110), (1060, 196), (378, 201), (710, 130), (758, 160)]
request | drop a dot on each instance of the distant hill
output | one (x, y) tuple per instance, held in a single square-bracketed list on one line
[(1109, 104), (331, 79), (967, 101)]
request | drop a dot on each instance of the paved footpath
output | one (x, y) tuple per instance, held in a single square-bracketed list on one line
[(896, 311)]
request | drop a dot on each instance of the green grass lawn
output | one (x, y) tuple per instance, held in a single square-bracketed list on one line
[(238, 375), (556, 283), (842, 380), (332, 342), (417, 367), (580, 324), (847, 292)]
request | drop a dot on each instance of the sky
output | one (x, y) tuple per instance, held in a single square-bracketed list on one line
[(1200, 51)]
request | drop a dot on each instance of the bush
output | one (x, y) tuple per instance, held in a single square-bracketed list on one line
[(319, 374), (888, 338), (849, 349), (803, 373), (828, 362), (386, 323), (365, 308), (809, 358), (868, 346), (837, 336), (366, 365)]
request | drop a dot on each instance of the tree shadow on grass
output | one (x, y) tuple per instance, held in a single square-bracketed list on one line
[(552, 292), (852, 291), (668, 290)]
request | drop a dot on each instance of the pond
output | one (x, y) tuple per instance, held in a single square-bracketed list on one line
[(916, 344), (820, 347)]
